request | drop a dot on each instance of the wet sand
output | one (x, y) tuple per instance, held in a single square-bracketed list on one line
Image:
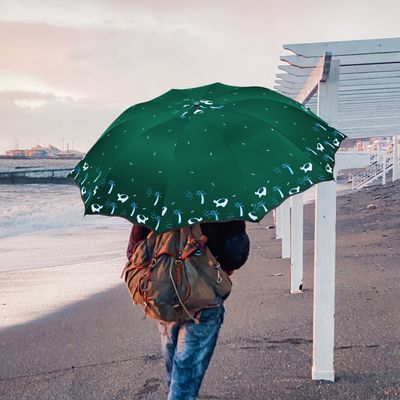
[(99, 347)]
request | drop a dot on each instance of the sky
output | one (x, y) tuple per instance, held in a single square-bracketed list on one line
[(69, 68)]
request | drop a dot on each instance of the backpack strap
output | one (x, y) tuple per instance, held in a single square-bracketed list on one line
[(194, 240)]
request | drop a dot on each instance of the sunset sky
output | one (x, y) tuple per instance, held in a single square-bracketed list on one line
[(68, 68)]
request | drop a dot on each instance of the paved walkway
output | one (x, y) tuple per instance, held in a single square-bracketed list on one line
[(101, 348)]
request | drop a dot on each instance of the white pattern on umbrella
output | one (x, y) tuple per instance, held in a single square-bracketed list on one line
[(305, 179), (261, 204), (98, 176), (252, 216), (192, 221), (141, 219), (294, 190), (337, 133), (279, 190), (158, 195), (317, 126), (326, 157), (84, 179), (306, 167), (288, 167), (201, 194), (329, 144), (310, 150), (179, 214), (158, 219), (240, 207), (89, 193), (96, 208), (134, 206), (78, 170), (122, 197), (221, 202), (212, 213), (261, 192), (113, 206), (112, 184)]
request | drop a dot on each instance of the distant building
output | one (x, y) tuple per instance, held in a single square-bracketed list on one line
[(44, 152), (70, 153), (16, 153)]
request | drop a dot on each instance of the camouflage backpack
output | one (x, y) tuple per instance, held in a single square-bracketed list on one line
[(174, 275)]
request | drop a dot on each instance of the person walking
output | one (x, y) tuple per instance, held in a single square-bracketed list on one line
[(188, 346)]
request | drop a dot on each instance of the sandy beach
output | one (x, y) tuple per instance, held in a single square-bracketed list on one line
[(82, 339)]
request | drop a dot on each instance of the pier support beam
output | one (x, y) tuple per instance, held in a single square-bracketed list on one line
[(278, 222), (325, 245), (296, 240), (285, 218)]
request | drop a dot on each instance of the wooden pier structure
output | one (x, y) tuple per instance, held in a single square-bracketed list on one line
[(57, 175)]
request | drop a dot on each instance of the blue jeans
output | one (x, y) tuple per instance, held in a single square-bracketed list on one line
[(187, 349)]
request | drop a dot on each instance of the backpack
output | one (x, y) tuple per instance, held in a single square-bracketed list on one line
[(173, 275)]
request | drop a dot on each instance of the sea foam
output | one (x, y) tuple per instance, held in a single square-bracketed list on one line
[(29, 208)]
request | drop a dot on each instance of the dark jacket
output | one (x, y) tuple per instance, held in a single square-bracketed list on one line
[(227, 241)]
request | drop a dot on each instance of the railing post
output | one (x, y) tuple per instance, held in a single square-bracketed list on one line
[(384, 154), (396, 172)]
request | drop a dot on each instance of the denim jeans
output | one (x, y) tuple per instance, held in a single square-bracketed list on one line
[(187, 349)]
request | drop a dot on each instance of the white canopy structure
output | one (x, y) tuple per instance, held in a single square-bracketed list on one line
[(355, 87), (368, 88)]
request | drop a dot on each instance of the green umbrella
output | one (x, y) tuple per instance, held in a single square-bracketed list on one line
[(210, 153)]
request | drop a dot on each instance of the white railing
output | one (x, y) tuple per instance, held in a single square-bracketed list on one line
[(374, 171)]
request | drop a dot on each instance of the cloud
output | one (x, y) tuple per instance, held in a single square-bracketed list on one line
[(32, 99), (92, 14), (31, 104)]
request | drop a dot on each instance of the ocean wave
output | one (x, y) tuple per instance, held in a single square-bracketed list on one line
[(29, 208)]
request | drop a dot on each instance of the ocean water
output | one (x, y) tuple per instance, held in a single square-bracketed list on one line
[(52, 256), (30, 208), (27, 208)]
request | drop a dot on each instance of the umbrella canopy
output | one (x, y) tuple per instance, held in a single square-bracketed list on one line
[(211, 153)]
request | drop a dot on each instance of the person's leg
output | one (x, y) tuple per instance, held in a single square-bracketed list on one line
[(195, 346), (169, 338)]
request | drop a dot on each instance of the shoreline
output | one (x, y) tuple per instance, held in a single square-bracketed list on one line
[(81, 254), (33, 293), (57, 247), (88, 229)]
